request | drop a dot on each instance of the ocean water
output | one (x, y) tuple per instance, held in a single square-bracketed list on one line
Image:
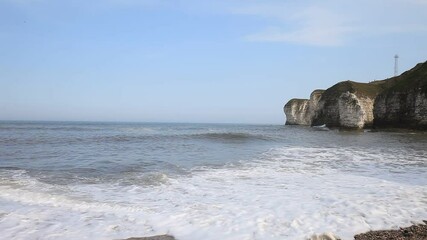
[(62, 180)]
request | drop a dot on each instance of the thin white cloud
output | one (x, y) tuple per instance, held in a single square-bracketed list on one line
[(308, 36), (333, 22), (311, 26), (307, 22)]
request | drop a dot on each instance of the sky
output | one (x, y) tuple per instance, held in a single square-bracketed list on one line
[(209, 61)]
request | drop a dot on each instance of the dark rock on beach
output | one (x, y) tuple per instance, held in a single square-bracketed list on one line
[(414, 232)]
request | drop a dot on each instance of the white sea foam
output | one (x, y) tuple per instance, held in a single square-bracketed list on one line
[(289, 193)]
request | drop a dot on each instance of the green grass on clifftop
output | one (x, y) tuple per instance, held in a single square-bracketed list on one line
[(413, 79), (360, 89)]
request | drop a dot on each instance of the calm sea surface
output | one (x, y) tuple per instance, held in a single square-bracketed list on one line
[(206, 181)]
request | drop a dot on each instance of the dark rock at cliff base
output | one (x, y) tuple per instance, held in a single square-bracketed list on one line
[(414, 232), (159, 237), (396, 102)]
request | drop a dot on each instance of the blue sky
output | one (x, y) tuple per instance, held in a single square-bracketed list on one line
[(236, 61)]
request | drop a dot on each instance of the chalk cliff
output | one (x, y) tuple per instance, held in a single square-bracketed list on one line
[(403, 103), (396, 102), (347, 104), (302, 111), (296, 112)]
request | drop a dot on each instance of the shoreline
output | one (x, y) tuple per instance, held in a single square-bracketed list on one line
[(413, 232)]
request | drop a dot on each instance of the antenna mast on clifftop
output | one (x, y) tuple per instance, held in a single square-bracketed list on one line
[(396, 57)]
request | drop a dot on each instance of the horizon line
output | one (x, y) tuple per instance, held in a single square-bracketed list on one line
[(135, 122)]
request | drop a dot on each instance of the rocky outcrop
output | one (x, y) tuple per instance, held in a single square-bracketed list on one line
[(347, 104), (396, 102), (352, 113), (315, 97), (296, 112), (302, 111), (414, 232)]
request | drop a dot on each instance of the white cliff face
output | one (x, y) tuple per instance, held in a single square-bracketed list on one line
[(302, 111), (349, 110), (296, 112), (367, 105), (354, 112), (315, 97)]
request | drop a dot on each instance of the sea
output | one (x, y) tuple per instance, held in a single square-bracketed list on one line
[(89, 180)]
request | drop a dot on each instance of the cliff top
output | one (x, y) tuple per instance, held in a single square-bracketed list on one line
[(412, 79), (361, 89)]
